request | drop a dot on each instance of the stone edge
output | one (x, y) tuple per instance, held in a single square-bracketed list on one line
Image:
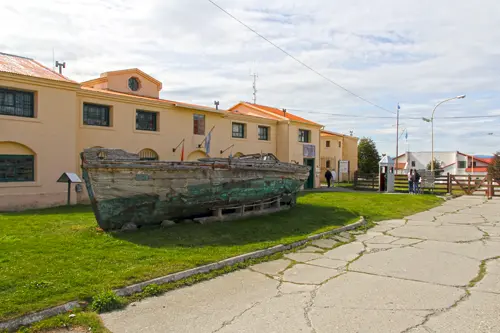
[(136, 288)]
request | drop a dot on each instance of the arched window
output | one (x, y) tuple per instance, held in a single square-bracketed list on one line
[(17, 163), (328, 164), (148, 155)]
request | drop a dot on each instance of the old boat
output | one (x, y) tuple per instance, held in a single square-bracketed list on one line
[(124, 189)]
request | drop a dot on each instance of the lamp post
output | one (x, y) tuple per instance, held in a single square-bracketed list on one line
[(431, 120)]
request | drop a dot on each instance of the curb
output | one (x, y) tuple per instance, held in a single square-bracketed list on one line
[(29, 319), (37, 316), (136, 288)]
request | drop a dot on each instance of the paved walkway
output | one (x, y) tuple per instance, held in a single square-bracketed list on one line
[(434, 272)]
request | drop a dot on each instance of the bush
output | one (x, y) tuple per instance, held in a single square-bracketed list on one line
[(151, 290), (106, 301)]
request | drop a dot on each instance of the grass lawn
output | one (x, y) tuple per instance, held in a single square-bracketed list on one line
[(51, 256), (342, 184), (345, 185)]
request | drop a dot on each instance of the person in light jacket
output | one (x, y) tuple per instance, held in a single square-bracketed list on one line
[(334, 177)]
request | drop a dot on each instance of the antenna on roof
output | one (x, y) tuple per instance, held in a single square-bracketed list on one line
[(61, 65), (216, 105), (255, 76)]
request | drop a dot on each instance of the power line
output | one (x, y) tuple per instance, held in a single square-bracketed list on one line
[(388, 117), (299, 61)]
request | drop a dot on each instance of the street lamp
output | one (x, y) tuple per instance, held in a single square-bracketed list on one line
[(431, 120)]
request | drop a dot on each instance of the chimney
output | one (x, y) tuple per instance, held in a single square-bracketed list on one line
[(216, 105), (284, 112), (61, 65)]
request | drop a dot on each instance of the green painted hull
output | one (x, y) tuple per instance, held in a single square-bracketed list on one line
[(148, 193)]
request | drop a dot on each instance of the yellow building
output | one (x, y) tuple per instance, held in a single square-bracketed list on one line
[(46, 120), (336, 147)]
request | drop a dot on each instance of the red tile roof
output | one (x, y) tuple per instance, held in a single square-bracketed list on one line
[(25, 66), (271, 113), (329, 133), (477, 169), (166, 101), (484, 160), (254, 112)]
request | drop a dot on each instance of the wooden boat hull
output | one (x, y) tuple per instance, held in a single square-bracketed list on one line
[(145, 192)]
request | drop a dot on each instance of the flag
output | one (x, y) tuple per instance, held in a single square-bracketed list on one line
[(207, 142), (182, 152)]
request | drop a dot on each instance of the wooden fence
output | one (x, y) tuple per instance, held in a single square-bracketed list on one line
[(453, 184), (443, 184), (366, 182)]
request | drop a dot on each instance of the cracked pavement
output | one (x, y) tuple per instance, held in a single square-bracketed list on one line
[(435, 271)]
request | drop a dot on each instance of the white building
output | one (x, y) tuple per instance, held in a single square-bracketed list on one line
[(453, 162)]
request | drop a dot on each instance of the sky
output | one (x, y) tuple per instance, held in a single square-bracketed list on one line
[(415, 53)]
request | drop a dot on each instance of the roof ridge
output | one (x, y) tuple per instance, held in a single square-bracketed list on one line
[(15, 55), (157, 99), (256, 106)]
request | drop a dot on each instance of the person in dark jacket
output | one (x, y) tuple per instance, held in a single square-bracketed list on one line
[(410, 181), (416, 183), (328, 176)]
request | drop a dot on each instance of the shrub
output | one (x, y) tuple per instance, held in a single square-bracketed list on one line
[(106, 301), (151, 290)]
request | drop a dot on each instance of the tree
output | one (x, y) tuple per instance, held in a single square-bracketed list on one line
[(368, 156), (494, 167), (437, 168)]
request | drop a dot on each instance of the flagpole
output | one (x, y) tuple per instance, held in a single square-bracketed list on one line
[(180, 143), (397, 142), (199, 146), (182, 152)]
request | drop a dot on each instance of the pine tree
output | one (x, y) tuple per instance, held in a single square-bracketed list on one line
[(437, 167)]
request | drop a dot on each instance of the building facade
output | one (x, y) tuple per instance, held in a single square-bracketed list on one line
[(46, 120), (452, 162), (336, 147)]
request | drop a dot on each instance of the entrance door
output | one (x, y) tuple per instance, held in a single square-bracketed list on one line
[(310, 181)]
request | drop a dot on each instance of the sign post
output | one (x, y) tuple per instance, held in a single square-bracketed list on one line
[(343, 168), (69, 178)]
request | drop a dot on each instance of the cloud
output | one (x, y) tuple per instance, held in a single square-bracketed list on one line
[(388, 51)]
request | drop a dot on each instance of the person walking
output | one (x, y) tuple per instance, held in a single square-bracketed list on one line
[(328, 176), (410, 181), (334, 177)]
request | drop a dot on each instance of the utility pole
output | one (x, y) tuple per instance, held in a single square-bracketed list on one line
[(255, 76), (397, 142)]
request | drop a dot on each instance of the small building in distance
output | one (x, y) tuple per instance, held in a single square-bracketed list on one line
[(452, 162)]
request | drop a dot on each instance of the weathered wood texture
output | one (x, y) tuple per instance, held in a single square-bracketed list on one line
[(124, 189)]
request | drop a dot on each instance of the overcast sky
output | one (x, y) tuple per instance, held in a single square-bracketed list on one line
[(387, 51)]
